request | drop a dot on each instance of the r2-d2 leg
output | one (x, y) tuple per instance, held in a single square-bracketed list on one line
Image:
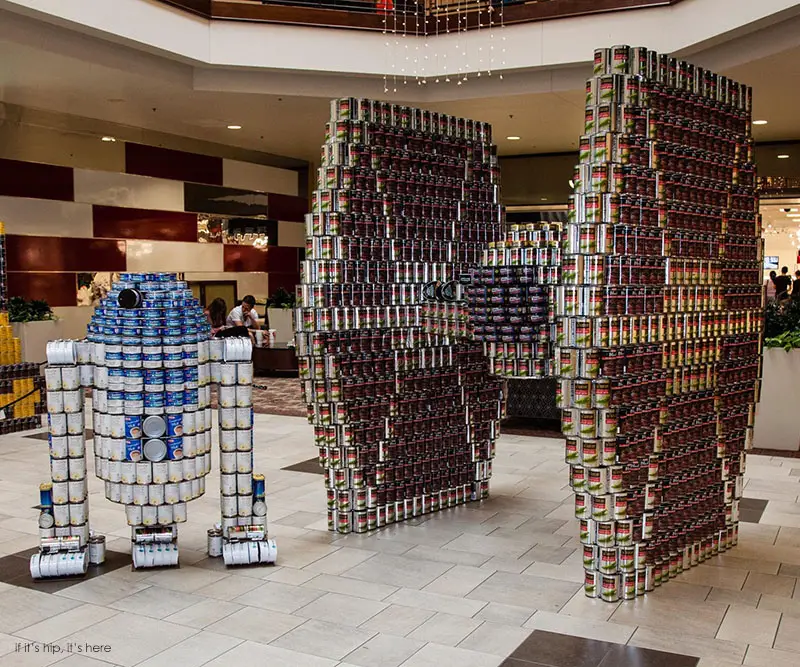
[(241, 537), (64, 504)]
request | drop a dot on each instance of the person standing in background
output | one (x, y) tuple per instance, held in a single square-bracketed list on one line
[(796, 286), (782, 284), (769, 283)]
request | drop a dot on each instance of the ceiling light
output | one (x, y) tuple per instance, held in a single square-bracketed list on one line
[(783, 157), (513, 138), (760, 122), (544, 198), (108, 139), (234, 127)]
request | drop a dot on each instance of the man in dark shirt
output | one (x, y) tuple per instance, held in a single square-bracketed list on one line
[(796, 286), (782, 283)]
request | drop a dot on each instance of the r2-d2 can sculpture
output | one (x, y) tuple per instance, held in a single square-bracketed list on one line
[(150, 364)]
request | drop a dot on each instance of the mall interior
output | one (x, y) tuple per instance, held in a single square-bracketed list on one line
[(520, 389)]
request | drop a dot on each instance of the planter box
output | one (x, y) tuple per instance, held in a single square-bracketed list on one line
[(280, 319), (34, 337), (777, 416)]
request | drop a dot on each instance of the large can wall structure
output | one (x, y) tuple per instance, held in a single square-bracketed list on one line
[(405, 414), (659, 317), (150, 364)]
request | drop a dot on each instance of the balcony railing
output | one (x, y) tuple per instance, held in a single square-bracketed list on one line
[(418, 15)]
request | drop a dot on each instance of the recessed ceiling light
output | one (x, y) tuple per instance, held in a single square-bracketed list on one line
[(760, 122), (234, 127), (783, 157), (544, 198), (513, 138), (108, 139)]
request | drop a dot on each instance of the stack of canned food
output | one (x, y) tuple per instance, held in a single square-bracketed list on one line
[(659, 318), (405, 414), (510, 300)]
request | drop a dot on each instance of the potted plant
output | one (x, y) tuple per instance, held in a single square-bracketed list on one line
[(280, 309), (34, 323)]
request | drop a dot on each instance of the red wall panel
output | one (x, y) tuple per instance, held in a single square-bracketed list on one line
[(172, 164), (283, 260), (32, 179), (287, 207), (113, 222), (244, 258), (286, 280), (58, 289), (56, 253)]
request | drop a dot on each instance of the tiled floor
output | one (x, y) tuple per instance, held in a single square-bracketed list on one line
[(483, 584)]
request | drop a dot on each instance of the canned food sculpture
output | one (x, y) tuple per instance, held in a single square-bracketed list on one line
[(659, 318), (510, 302), (150, 364), (405, 414)]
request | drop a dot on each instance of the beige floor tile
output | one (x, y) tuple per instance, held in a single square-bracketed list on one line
[(525, 590), (753, 564), (759, 656), (580, 627), (490, 545), (770, 584), (689, 644), (397, 620), (788, 637), (435, 602), (278, 597), (81, 660), (103, 590), (746, 598), (425, 552), (445, 629), (384, 651), (340, 561), (678, 589), (132, 638), (228, 588), (398, 571), (22, 607), (259, 625), (342, 609), (66, 623), (584, 607), (436, 655), (458, 581), (185, 579), (192, 652), (204, 613), (719, 577), (495, 638), (327, 640), (252, 653), (504, 614), (288, 575), (30, 658), (753, 626), (787, 606), (156, 602), (352, 587), (672, 615)]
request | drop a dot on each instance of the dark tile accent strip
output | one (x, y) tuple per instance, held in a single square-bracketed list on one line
[(113, 222), (15, 571), (751, 509), (58, 289), (61, 253), (244, 258), (783, 453), (550, 649), (36, 180), (311, 465), (88, 435), (287, 207), (224, 201), (172, 164)]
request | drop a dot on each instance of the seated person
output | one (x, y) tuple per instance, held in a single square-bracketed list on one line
[(244, 315), (216, 313)]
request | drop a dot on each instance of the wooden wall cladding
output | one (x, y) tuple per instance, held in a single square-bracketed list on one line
[(58, 289), (60, 253), (172, 164), (112, 222)]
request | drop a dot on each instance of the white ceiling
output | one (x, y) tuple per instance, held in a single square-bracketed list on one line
[(50, 68)]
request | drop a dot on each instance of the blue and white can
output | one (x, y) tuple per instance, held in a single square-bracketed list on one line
[(174, 425), (173, 401), (133, 449), (175, 447), (133, 427)]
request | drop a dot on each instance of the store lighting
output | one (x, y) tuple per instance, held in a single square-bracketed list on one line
[(513, 138), (544, 198), (760, 122), (783, 157), (108, 139), (234, 127)]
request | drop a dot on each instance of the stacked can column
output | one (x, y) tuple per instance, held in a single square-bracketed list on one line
[(403, 410), (63, 501), (659, 318), (510, 300), (242, 536), (149, 351)]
